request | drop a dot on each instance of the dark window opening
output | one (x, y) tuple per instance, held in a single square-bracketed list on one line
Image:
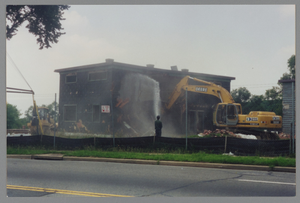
[(71, 78), (70, 113), (97, 75), (218, 83), (196, 122), (96, 113)]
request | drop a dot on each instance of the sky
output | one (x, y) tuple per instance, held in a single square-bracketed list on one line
[(249, 42)]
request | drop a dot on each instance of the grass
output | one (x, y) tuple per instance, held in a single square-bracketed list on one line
[(160, 154)]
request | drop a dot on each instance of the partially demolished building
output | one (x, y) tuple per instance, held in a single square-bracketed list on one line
[(124, 99)]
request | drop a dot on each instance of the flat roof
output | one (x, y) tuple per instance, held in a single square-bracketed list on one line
[(286, 81), (112, 64)]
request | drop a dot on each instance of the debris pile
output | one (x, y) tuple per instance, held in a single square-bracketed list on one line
[(218, 133), (284, 136), (223, 133)]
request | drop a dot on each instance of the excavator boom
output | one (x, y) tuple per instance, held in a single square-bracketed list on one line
[(228, 114), (204, 88), (36, 113)]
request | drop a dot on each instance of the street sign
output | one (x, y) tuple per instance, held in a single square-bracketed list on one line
[(105, 108)]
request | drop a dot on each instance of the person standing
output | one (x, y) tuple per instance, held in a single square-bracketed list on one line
[(158, 127)]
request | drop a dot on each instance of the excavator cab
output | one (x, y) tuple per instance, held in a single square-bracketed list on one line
[(43, 113), (227, 114), (40, 123)]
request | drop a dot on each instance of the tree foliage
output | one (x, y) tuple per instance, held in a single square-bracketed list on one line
[(43, 21), (271, 101), (291, 65), (274, 93), (51, 112), (51, 108), (241, 94), (12, 117)]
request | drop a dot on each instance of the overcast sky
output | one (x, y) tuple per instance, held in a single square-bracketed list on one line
[(249, 42)]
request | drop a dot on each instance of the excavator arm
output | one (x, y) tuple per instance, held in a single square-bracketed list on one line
[(228, 114), (204, 87), (36, 113)]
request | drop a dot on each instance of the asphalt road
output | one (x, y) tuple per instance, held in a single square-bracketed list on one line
[(34, 178)]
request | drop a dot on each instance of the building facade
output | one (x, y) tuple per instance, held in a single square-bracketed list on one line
[(124, 99), (288, 106)]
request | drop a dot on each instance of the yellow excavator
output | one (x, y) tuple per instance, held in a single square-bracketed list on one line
[(228, 114), (40, 123)]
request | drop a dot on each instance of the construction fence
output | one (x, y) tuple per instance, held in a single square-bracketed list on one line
[(237, 146)]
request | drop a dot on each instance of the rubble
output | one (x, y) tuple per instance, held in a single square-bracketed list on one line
[(284, 136), (223, 133), (219, 133)]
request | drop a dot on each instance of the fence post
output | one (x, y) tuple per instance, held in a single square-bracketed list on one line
[(112, 121), (225, 144), (54, 121), (293, 120), (290, 147), (186, 118)]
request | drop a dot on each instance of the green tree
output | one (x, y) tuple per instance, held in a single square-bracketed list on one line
[(273, 94), (12, 117), (28, 114), (51, 107), (254, 104), (291, 65), (271, 100), (273, 106), (43, 21), (52, 111), (240, 95), (285, 76)]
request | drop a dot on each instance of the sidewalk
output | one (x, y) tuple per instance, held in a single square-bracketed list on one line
[(154, 162)]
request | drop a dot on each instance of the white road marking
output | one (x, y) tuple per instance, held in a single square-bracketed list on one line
[(261, 181)]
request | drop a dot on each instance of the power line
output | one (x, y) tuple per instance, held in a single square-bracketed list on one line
[(266, 84), (261, 86), (18, 69)]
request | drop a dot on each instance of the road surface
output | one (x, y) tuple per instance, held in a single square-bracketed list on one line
[(82, 178)]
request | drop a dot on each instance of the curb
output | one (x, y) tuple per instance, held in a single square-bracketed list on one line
[(155, 162), (48, 156)]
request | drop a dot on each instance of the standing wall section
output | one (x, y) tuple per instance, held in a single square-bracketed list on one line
[(288, 97), (85, 97)]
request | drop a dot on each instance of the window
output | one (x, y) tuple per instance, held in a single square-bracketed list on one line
[(71, 78), (96, 113), (231, 111), (98, 75), (70, 112), (221, 114)]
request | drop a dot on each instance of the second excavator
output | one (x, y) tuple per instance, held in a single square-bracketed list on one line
[(228, 114)]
